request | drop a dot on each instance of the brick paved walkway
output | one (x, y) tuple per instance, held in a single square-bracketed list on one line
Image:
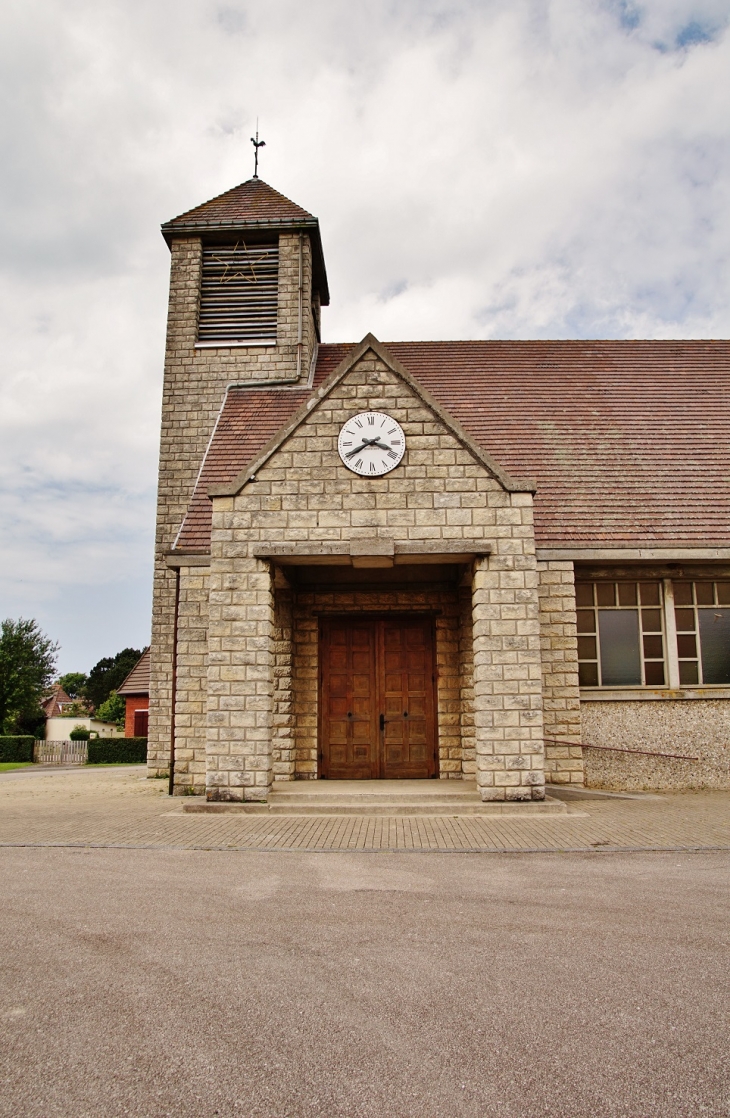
[(118, 807)]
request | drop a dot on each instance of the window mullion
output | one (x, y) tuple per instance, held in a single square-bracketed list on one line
[(670, 625), (698, 639), (598, 639)]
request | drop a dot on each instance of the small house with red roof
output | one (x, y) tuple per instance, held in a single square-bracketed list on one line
[(135, 690), (501, 562), (56, 702)]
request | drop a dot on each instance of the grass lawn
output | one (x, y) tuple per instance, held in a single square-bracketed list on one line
[(5, 766)]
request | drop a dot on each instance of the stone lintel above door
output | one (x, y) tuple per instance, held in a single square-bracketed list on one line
[(376, 552)]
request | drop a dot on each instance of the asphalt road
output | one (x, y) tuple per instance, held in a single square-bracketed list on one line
[(197, 983)]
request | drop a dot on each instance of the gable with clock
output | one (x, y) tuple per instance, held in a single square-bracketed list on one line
[(371, 486)]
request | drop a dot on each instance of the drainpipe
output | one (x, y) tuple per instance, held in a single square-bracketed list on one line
[(301, 309), (171, 784)]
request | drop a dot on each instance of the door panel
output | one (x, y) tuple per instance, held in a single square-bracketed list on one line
[(408, 698), (377, 704), (349, 718)]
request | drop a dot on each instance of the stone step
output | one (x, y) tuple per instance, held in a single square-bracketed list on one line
[(371, 806), (379, 797), (368, 797)]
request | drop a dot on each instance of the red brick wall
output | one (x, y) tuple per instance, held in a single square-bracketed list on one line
[(134, 702)]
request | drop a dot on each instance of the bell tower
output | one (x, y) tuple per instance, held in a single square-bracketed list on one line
[(247, 284)]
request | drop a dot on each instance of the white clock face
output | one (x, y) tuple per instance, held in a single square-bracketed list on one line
[(371, 443)]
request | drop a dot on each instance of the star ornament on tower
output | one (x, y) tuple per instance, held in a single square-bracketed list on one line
[(248, 258)]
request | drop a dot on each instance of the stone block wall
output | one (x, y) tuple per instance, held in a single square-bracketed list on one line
[(507, 668), (559, 648), (163, 627), (241, 664), (283, 745), (194, 386), (192, 679), (466, 684), (440, 492)]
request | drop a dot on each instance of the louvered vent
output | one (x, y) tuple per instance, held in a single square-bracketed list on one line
[(239, 294)]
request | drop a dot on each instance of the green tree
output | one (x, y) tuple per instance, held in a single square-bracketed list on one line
[(113, 710), (73, 684), (27, 665), (109, 674)]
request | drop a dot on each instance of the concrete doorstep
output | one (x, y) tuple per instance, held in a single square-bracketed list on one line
[(378, 797)]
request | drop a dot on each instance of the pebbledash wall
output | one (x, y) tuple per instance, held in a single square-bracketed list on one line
[(194, 386), (697, 730)]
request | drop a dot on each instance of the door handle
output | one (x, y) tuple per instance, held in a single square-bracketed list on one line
[(382, 722)]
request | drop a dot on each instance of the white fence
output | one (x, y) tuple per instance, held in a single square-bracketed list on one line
[(61, 752)]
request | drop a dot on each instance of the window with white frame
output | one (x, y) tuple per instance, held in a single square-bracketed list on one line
[(702, 614), (620, 634)]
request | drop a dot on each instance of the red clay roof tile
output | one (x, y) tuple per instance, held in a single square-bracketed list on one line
[(52, 705), (627, 440), (251, 203)]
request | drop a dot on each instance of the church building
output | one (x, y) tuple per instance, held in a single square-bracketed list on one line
[(506, 562)]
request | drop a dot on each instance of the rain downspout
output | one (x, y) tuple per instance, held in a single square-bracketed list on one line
[(301, 309), (171, 784)]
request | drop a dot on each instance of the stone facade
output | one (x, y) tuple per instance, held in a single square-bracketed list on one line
[(245, 672), (442, 494)]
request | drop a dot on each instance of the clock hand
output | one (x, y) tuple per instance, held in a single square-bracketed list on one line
[(365, 443)]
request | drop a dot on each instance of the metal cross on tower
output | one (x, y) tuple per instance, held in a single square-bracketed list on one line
[(257, 143)]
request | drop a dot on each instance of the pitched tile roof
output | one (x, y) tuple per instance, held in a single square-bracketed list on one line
[(248, 419), (252, 205), (52, 705), (138, 680), (627, 440)]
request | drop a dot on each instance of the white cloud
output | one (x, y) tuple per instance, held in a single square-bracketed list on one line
[(509, 168)]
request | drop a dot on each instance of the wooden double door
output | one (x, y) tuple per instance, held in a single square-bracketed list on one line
[(377, 698)]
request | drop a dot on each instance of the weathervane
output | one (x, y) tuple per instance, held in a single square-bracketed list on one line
[(257, 143)]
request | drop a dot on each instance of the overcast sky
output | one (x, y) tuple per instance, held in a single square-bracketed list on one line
[(485, 169)]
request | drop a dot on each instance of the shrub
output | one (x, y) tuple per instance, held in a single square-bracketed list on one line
[(18, 747), (79, 733), (117, 751), (113, 710)]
